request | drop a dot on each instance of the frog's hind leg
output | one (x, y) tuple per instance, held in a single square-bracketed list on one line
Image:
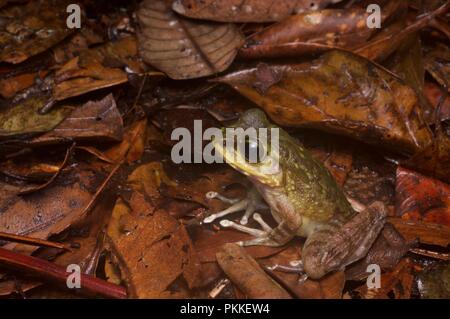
[(333, 248), (249, 204)]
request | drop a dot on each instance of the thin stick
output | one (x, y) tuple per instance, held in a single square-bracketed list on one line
[(100, 189), (33, 241), (40, 268)]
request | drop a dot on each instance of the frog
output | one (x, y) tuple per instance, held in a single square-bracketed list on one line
[(304, 200)]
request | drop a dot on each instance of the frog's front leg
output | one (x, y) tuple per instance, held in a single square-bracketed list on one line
[(250, 204), (268, 236), (331, 249)]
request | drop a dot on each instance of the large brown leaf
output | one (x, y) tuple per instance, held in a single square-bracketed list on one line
[(247, 10), (183, 48), (48, 211), (339, 92), (153, 250), (314, 31)]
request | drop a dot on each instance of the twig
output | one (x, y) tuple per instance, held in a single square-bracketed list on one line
[(44, 269), (33, 241), (100, 189), (52, 179), (431, 254)]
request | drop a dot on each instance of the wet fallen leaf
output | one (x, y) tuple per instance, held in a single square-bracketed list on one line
[(434, 282), (311, 32), (31, 29), (422, 198), (182, 48), (426, 233), (246, 11), (341, 93)]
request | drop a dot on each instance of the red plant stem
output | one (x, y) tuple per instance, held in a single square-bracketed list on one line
[(90, 285)]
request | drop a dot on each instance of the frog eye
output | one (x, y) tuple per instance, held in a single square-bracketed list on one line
[(253, 151)]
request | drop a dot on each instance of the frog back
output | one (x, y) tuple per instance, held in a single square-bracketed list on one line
[(310, 187)]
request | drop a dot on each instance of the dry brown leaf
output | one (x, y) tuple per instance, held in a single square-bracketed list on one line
[(207, 243), (247, 275), (94, 120), (393, 36), (10, 86), (96, 68), (341, 93), (246, 11), (152, 251), (48, 211), (132, 146), (182, 48), (427, 233)]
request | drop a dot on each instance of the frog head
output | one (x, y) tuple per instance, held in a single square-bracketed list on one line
[(251, 146)]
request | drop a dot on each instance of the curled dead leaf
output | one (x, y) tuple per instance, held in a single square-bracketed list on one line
[(246, 11)]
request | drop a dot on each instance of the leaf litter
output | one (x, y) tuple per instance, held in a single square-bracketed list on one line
[(86, 122)]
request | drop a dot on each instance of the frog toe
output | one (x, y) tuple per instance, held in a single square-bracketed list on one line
[(240, 205), (252, 231)]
